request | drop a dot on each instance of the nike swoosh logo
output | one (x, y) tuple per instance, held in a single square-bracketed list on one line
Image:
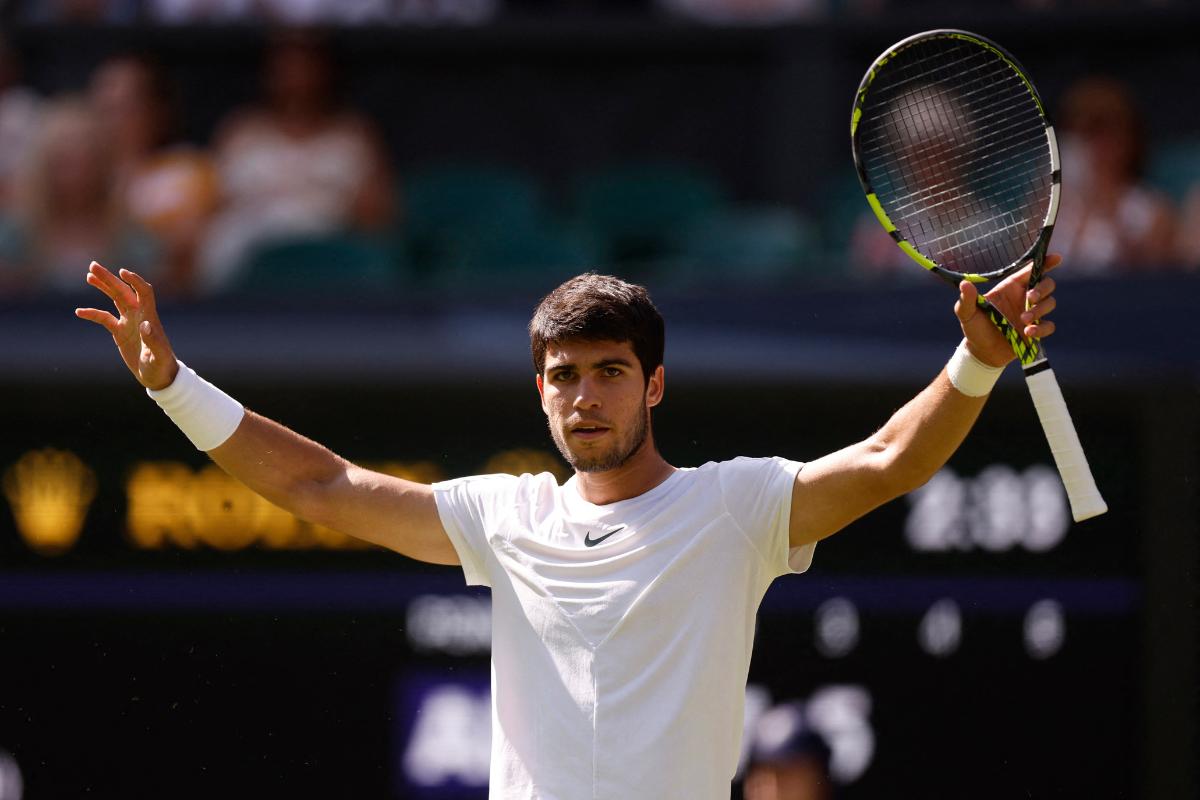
[(590, 542)]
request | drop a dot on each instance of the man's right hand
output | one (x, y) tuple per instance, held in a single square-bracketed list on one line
[(138, 333)]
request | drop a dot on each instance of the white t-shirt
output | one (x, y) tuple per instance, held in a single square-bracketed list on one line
[(621, 633)]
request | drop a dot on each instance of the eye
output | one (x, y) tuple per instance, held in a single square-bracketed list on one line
[(612, 372), (562, 375)]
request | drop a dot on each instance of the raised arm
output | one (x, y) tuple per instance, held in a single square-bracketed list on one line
[(292, 472), (833, 491)]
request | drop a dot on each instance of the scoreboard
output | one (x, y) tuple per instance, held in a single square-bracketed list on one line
[(163, 633)]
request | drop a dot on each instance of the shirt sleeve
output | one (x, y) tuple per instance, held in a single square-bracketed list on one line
[(469, 509), (758, 495)]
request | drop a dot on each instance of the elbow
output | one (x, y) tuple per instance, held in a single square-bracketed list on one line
[(312, 499), (900, 472), (306, 500)]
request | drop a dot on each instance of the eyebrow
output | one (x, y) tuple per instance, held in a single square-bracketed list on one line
[(607, 362)]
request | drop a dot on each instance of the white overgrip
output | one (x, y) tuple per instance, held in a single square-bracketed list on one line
[(1082, 493)]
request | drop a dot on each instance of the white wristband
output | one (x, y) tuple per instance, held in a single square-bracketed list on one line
[(205, 414), (969, 375)]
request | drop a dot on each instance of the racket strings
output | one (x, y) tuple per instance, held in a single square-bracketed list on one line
[(1028, 124), (946, 189), (914, 108), (949, 199), (954, 146), (903, 159), (1032, 137)]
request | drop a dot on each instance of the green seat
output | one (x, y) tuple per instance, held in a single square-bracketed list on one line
[(1175, 168), (446, 202), (745, 245), (639, 210), (337, 264), (520, 256), (454, 196), (843, 206)]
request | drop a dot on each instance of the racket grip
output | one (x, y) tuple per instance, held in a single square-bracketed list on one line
[(1082, 493)]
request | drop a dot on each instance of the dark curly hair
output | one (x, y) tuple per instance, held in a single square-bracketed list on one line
[(593, 308)]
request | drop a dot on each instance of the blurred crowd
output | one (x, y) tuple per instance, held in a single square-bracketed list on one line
[(102, 174), (373, 12), (299, 182)]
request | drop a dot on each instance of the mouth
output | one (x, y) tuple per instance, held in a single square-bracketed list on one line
[(589, 432)]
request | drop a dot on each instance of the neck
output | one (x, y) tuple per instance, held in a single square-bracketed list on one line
[(641, 473)]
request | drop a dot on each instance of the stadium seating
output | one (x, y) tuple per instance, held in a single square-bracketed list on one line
[(496, 257), (343, 264), (1175, 167), (448, 202), (639, 210), (747, 245)]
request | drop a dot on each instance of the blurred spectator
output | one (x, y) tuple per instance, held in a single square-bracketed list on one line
[(19, 109), (789, 760), (1189, 230), (298, 166), (86, 12), (170, 189), (874, 254), (67, 210), (187, 12), (283, 12), (747, 12), (1109, 220), (929, 148)]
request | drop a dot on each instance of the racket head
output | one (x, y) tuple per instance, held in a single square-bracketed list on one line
[(957, 156)]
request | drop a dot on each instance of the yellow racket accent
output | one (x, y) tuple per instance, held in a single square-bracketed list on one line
[(880, 214), (1026, 350), (914, 255)]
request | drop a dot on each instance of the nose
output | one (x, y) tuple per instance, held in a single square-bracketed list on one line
[(588, 395)]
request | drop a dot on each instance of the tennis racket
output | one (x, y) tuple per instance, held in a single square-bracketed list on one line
[(960, 164)]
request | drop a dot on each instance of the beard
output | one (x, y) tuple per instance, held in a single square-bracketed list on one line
[(614, 457)]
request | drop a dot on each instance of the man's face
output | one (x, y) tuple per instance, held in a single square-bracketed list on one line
[(597, 402)]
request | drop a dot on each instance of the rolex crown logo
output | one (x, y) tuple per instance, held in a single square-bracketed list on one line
[(50, 492)]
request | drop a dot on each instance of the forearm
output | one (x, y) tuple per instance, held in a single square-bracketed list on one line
[(920, 438), (277, 463), (286, 468), (305, 478)]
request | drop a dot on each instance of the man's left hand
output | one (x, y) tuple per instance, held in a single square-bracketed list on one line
[(1010, 297)]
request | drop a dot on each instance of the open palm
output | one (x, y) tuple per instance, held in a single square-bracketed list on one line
[(137, 332)]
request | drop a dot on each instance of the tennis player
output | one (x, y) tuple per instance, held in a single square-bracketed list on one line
[(624, 600)]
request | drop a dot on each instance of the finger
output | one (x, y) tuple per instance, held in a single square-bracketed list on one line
[(1022, 275), (142, 290), (966, 306), (111, 285), (101, 318), (1039, 311), (1039, 331), (1041, 292), (1018, 278)]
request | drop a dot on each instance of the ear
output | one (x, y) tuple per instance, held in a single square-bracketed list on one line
[(542, 393), (655, 387)]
